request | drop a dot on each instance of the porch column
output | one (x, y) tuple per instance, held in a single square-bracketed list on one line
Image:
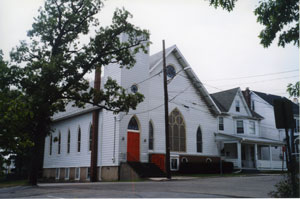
[(239, 153), (270, 149), (255, 156)]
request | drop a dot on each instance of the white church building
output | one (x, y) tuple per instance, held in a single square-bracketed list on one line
[(203, 127)]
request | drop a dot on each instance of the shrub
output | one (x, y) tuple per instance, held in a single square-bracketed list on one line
[(284, 188)]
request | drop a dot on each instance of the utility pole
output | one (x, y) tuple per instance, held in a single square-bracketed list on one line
[(167, 162), (95, 127)]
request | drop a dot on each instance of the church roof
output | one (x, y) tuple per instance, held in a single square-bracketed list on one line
[(157, 57)]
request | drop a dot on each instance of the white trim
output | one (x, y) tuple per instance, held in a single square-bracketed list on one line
[(160, 60)]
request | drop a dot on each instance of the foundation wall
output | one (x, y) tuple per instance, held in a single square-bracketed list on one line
[(110, 173)]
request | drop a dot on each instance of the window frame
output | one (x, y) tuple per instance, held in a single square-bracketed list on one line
[(199, 149), (57, 173), (237, 127), (237, 106), (90, 137), (69, 141), (77, 170), (221, 124), (177, 163), (169, 75), (51, 143), (250, 128), (136, 124), (88, 173), (59, 143), (79, 139), (176, 127), (253, 105), (67, 173), (151, 136)]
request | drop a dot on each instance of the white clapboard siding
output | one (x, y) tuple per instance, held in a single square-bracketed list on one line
[(267, 125), (195, 115), (74, 158)]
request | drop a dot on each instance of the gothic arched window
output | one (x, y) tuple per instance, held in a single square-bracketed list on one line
[(133, 125), (199, 140), (151, 136), (177, 137)]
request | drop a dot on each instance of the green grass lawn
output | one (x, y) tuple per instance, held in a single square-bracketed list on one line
[(13, 183)]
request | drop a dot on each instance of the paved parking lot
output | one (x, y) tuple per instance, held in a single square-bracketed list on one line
[(257, 186)]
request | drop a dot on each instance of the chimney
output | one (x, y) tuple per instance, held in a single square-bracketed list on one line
[(247, 97)]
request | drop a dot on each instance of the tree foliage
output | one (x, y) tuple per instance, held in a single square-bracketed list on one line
[(49, 70), (279, 18), (293, 90)]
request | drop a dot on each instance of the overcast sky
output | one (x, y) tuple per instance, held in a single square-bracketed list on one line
[(220, 46)]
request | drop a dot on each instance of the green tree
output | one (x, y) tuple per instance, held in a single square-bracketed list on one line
[(15, 114), (293, 90), (55, 64), (279, 18)]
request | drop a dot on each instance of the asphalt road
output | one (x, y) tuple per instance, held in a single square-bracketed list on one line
[(214, 187)]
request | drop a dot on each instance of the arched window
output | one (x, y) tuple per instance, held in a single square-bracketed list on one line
[(69, 141), (78, 139), (91, 137), (150, 136), (177, 131), (199, 140), (50, 152), (133, 125), (59, 142)]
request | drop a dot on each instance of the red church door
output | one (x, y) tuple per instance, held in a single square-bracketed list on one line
[(133, 147)]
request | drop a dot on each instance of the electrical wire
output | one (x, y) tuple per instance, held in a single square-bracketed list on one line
[(261, 75)]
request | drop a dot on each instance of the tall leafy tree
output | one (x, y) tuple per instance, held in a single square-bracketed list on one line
[(15, 112), (54, 63)]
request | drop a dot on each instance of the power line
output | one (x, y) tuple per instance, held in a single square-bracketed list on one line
[(146, 79), (265, 80), (261, 75)]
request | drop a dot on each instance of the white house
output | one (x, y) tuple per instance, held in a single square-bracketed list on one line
[(249, 138)]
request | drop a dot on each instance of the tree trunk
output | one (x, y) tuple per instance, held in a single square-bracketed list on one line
[(37, 156)]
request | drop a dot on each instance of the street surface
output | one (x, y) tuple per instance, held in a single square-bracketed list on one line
[(257, 186)]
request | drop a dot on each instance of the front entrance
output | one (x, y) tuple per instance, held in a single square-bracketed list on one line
[(248, 156), (133, 141), (133, 146)]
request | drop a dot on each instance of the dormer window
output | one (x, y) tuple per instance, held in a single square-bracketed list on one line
[(237, 106)]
